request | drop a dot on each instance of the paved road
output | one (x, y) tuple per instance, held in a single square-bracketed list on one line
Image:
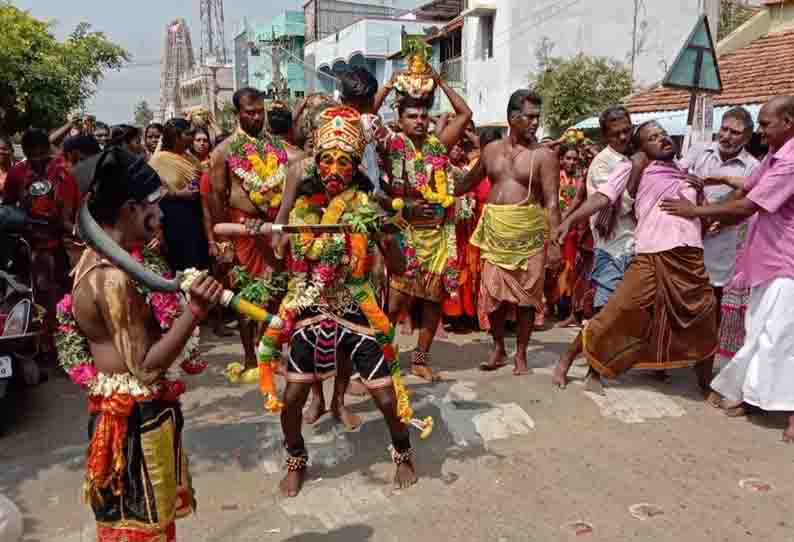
[(511, 459)]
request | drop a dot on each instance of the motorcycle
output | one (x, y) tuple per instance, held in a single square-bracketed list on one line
[(20, 322)]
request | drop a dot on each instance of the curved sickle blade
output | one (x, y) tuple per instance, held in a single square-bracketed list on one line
[(100, 241)]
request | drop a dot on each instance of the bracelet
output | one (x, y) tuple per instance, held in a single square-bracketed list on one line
[(197, 313)]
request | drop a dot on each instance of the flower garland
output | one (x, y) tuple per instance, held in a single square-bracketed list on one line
[(319, 263), (261, 164), (74, 353), (418, 168), (422, 167)]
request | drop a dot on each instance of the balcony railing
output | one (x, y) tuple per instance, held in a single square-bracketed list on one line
[(452, 70)]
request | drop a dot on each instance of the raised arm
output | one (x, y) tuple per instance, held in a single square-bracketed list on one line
[(57, 136), (471, 179), (457, 126), (382, 94)]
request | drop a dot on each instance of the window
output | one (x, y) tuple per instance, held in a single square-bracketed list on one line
[(486, 27)]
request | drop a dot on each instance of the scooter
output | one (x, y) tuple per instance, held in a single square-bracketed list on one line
[(20, 323)]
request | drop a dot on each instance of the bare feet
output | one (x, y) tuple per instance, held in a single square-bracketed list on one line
[(593, 384), (495, 361), (559, 377), (346, 417), (315, 411), (292, 483), (357, 388), (521, 368), (736, 412), (568, 322), (714, 399), (424, 372), (788, 434), (405, 475)]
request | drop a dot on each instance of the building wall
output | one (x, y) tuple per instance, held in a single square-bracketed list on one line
[(258, 65), (325, 17), (602, 28)]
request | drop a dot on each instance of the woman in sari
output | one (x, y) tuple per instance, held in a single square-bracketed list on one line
[(183, 219)]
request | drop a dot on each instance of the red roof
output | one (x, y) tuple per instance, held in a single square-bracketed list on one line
[(752, 74)]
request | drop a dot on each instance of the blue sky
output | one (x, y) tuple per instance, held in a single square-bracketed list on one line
[(139, 26)]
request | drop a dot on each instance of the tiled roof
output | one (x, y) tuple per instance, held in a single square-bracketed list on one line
[(752, 74)]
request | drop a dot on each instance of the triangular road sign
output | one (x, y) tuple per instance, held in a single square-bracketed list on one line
[(695, 68)]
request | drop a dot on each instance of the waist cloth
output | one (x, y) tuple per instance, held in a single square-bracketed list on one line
[(661, 316), (322, 339), (137, 479), (432, 252), (250, 251), (511, 239)]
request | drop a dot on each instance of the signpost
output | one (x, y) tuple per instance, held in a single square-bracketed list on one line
[(696, 69)]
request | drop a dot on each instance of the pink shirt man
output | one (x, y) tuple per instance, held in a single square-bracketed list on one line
[(656, 230), (769, 250)]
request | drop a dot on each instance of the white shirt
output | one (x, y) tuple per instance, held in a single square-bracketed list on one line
[(719, 249), (10, 521), (622, 241)]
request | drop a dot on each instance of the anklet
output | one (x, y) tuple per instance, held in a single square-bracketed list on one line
[(420, 358), (400, 458), (297, 463)]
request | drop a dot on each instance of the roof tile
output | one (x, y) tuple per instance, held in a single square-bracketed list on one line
[(752, 74)]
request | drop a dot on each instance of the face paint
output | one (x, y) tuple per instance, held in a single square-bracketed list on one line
[(336, 169)]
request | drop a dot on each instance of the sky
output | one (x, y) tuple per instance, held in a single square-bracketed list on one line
[(139, 27)]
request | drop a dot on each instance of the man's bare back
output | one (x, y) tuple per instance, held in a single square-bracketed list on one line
[(510, 167)]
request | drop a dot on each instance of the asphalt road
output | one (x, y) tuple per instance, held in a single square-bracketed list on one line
[(511, 459)]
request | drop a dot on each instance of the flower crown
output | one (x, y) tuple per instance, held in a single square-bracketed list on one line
[(340, 128)]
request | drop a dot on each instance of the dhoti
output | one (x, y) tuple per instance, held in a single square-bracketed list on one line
[(432, 251), (762, 370), (251, 252), (662, 316), (511, 240), (137, 478)]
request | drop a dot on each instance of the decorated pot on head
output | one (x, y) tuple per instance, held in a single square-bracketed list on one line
[(417, 81)]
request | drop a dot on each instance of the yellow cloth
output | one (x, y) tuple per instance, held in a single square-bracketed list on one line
[(176, 171), (508, 235)]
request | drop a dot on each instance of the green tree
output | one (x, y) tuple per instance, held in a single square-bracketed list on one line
[(733, 14), (44, 79), (576, 88), (227, 117), (143, 114)]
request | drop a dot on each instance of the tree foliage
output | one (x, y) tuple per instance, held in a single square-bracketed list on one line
[(143, 114), (43, 80), (576, 88), (733, 14)]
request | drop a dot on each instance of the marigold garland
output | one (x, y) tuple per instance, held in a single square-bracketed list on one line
[(262, 166)]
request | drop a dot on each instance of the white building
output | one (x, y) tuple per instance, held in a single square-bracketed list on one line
[(502, 39), (367, 43)]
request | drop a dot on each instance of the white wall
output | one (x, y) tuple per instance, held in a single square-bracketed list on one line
[(592, 27)]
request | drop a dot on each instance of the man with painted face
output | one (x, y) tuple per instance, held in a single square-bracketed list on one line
[(137, 479), (236, 199), (760, 374), (663, 313), (47, 191), (420, 177), (511, 233), (330, 313)]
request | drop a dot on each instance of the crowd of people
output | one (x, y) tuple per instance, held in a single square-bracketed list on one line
[(333, 227)]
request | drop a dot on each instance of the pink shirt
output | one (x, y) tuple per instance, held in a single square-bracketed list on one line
[(769, 251), (656, 230)]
